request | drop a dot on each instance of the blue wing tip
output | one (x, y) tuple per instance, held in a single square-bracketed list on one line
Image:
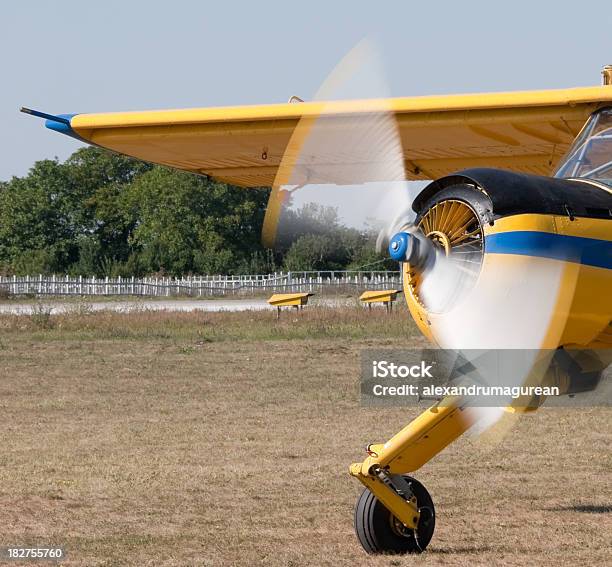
[(61, 126), (58, 122)]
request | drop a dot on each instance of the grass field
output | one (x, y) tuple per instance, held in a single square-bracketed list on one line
[(225, 438)]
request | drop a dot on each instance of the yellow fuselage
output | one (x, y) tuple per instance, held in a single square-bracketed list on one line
[(576, 251)]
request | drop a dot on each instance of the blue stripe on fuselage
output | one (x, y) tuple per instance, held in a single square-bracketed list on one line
[(587, 251)]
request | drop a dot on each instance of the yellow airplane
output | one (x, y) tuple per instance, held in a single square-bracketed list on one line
[(522, 187)]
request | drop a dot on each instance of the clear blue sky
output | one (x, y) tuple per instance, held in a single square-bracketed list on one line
[(78, 56)]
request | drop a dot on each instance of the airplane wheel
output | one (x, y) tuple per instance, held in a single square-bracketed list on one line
[(379, 531)]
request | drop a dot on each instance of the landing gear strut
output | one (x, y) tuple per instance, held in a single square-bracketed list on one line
[(379, 531), (395, 513)]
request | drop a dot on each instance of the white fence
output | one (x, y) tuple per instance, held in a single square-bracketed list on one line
[(200, 286)]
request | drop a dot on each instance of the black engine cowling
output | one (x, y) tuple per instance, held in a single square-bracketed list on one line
[(507, 193)]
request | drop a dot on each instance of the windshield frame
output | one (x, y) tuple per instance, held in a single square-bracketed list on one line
[(597, 128)]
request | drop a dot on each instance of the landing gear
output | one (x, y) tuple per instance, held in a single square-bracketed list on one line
[(379, 531), (395, 514)]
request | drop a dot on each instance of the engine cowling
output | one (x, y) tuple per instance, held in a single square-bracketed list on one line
[(531, 254)]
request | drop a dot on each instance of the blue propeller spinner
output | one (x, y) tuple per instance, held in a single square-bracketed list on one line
[(398, 246), (414, 248)]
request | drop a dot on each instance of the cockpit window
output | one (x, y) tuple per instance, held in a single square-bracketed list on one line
[(590, 156)]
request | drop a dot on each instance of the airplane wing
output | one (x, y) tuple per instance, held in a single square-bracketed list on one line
[(521, 131)]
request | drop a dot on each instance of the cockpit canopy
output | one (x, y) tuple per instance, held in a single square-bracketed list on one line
[(590, 156)]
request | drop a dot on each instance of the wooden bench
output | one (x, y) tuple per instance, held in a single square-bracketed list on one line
[(384, 296), (297, 300)]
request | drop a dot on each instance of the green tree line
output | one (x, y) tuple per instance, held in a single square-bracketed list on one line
[(104, 214)]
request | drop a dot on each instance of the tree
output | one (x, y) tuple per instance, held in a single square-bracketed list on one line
[(316, 239), (103, 180), (39, 219), (101, 213), (63, 217), (191, 224)]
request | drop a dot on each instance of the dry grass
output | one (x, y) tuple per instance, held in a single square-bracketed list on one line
[(81, 323), (211, 439)]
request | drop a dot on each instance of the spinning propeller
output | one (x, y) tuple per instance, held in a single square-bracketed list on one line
[(344, 171)]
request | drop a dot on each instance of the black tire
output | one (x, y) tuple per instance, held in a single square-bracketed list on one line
[(374, 524)]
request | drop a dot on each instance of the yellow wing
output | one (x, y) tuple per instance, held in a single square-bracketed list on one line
[(521, 131)]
